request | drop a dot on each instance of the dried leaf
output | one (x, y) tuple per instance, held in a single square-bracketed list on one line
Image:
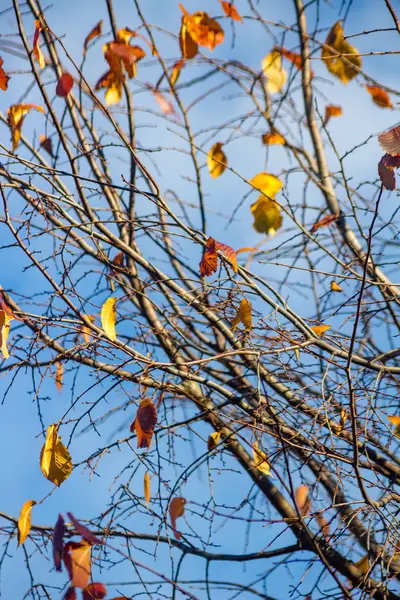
[(164, 104), (36, 48), (58, 542), (216, 160), (47, 144), (176, 71), (64, 85), (59, 375), (203, 30), (146, 487), (209, 262), (386, 167), (118, 259), (108, 318), (390, 141), (55, 460), (94, 33), (24, 521), (324, 222), (94, 591), (332, 111), (113, 84), (273, 139), (320, 329), (230, 11), (243, 315), (379, 96), (16, 114), (335, 287), (4, 79), (274, 72), (245, 250), (303, 500), (213, 440), (84, 531), (144, 423), (228, 253), (267, 215), (344, 68), (267, 184), (77, 560), (261, 460), (176, 510)]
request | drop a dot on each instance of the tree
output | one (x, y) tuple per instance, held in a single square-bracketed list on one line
[(220, 425)]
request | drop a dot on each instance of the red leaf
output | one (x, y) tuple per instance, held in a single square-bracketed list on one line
[(144, 423), (3, 77), (84, 531), (94, 591), (209, 262), (77, 557), (390, 141), (229, 254), (176, 510), (324, 222), (118, 259), (64, 85), (385, 169), (58, 542), (70, 594)]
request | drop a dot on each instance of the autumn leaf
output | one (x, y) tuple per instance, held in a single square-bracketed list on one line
[(94, 33), (129, 55), (114, 87), (176, 510), (320, 329), (386, 167), (303, 500), (59, 375), (4, 79), (64, 85), (332, 111), (188, 46), (324, 222), (261, 460), (24, 521), (216, 160), (379, 96), (144, 423), (85, 331), (108, 318), (84, 531), (146, 488), (165, 105), (267, 184), (16, 115), (47, 144), (5, 319), (363, 565), (273, 139), (213, 440), (176, 71), (274, 71), (344, 415), (267, 215), (323, 525), (70, 594), (228, 253), (203, 30), (395, 420), (55, 460), (344, 68), (36, 47), (335, 287), (209, 263), (94, 591), (230, 11), (77, 560), (243, 315), (58, 542), (294, 57)]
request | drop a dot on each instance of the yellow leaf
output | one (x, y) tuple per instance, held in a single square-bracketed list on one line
[(85, 331), (274, 72), (4, 331), (55, 460), (335, 287), (267, 184), (213, 440), (146, 484), (344, 415), (341, 67), (261, 460), (113, 94), (216, 160), (108, 317), (24, 521), (320, 329), (267, 215), (176, 71), (297, 353), (243, 315), (59, 375), (15, 115), (271, 139), (363, 564)]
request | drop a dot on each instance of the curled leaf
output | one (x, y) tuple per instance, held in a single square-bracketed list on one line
[(36, 47), (189, 47), (4, 79), (390, 141), (209, 262), (344, 415), (85, 331), (216, 160), (93, 34), (230, 11), (386, 167), (59, 375), (94, 591), (228, 253), (4, 331), (203, 30), (323, 525), (144, 423), (274, 71), (243, 315), (335, 287), (24, 521), (55, 460), (176, 510), (77, 560), (324, 222), (176, 71), (261, 460), (146, 487), (344, 68), (108, 318)]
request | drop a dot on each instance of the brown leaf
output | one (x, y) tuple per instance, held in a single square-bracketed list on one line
[(390, 141), (144, 423), (84, 531), (36, 48), (118, 259), (47, 144), (332, 111), (70, 594), (230, 11), (386, 167), (188, 46), (294, 57), (77, 560), (323, 525), (94, 33), (4, 79), (130, 55), (64, 85), (344, 68), (379, 96), (58, 542), (228, 253), (243, 315), (209, 262), (94, 591), (176, 510), (324, 222), (303, 500)]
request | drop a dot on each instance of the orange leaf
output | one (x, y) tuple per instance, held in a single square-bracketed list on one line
[(390, 141), (130, 55), (294, 58), (228, 253), (271, 139), (176, 510), (94, 591), (85, 331), (146, 487), (230, 11), (164, 104), (176, 71), (395, 420), (324, 222), (16, 114), (3, 77), (320, 329), (203, 30), (24, 521), (188, 46), (332, 111), (36, 48), (94, 33), (46, 144), (246, 250), (77, 559), (144, 423), (303, 501), (243, 315), (59, 375), (379, 96), (209, 262), (64, 85)]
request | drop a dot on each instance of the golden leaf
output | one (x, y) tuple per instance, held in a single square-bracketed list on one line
[(341, 67), (55, 460), (273, 139), (303, 500), (243, 315), (36, 48), (216, 160), (379, 96), (24, 521), (267, 215), (108, 317), (5, 319), (146, 485), (59, 375), (344, 415), (176, 71), (320, 329), (94, 33), (267, 184), (335, 287), (85, 331), (213, 440), (274, 72), (203, 30), (230, 11), (332, 111), (176, 510), (261, 460), (395, 420), (15, 115), (188, 46)]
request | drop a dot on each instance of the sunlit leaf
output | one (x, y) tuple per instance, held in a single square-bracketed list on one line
[(4, 332), (209, 262), (176, 510), (24, 521), (320, 329), (273, 139), (64, 85), (4, 79), (344, 415), (85, 331), (129, 55), (93, 34), (213, 440), (303, 500), (188, 46), (70, 594), (243, 315), (267, 184), (230, 11), (323, 525), (294, 57), (59, 375), (55, 460), (261, 460), (324, 222), (113, 83), (176, 71), (77, 560), (274, 72), (109, 317), (94, 591), (267, 215), (379, 96), (144, 423), (203, 30), (36, 47), (344, 68), (216, 160), (394, 419), (332, 111), (146, 488), (16, 114), (363, 564), (335, 287), (58, 542)]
